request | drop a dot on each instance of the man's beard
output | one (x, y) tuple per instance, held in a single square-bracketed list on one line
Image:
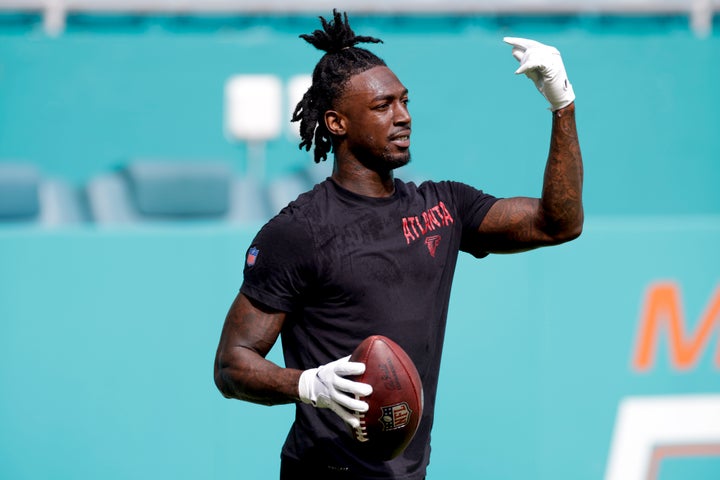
[(387, 162), (397, 161)]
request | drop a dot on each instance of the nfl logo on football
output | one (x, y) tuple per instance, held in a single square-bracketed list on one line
[(395, 416)]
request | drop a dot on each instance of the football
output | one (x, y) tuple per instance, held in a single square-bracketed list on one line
[(396, 402)]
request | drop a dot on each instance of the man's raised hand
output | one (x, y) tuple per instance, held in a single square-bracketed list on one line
[(544, 66)]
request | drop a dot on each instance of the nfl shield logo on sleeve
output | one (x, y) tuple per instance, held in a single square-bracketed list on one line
[(252, 256)]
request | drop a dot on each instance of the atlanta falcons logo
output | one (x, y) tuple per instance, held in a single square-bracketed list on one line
[(432, 243)]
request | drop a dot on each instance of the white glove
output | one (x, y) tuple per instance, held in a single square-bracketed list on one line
[(543, 65), (325, 387)]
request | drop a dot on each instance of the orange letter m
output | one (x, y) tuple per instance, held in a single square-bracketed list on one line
[(663, 309)]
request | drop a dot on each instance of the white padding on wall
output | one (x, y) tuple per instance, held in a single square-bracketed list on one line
[(253, 107)]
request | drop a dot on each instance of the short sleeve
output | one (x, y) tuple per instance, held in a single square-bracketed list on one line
[(278, 263), (472, 206)]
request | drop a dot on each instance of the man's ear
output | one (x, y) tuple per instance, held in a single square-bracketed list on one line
[(335, 123)]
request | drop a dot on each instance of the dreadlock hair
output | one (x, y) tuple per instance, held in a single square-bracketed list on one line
[(341, 61)]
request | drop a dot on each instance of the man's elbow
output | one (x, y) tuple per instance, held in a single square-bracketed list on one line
[(571, 235), (222, 383), (569, 232)]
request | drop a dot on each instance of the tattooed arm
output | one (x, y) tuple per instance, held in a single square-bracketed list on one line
[(520, 223), (241, 370)]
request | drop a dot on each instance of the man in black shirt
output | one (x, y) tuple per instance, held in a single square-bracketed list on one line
[(364, 253)]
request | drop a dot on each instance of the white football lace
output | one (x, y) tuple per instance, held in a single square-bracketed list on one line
[(361, 431)]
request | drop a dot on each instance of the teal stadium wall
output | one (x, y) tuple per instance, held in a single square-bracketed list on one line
[(107, 335)]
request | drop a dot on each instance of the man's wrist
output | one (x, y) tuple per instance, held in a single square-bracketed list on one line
[(566, 110), (305, 386)]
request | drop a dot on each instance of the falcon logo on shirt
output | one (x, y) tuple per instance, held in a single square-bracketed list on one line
[(432, 243)]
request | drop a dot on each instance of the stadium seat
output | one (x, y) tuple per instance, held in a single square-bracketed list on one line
[(19, 191), (165, 190), (27, 196)]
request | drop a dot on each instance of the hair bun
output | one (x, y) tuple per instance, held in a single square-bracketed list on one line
[(336, 35)]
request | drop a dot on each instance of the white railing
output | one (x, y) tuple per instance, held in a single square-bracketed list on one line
[(699, 12)]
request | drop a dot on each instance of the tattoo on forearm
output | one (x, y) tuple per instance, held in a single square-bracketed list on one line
[(562, 190)]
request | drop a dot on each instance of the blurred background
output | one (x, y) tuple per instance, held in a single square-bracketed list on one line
[(143, 143)]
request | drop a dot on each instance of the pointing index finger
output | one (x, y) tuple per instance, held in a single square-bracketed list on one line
[(515, 42), (523, 43)]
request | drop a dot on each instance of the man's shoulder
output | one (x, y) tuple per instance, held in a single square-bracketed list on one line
[(300, 212), (307, 202)]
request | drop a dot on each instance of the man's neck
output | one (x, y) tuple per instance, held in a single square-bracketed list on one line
[(361, 180)]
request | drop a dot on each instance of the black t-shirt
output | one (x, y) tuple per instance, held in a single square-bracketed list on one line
[(344, 267)]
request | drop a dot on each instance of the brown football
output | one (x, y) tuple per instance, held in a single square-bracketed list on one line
[(396, 402)]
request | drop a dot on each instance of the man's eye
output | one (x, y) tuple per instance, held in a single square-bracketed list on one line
[(382, 106)]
